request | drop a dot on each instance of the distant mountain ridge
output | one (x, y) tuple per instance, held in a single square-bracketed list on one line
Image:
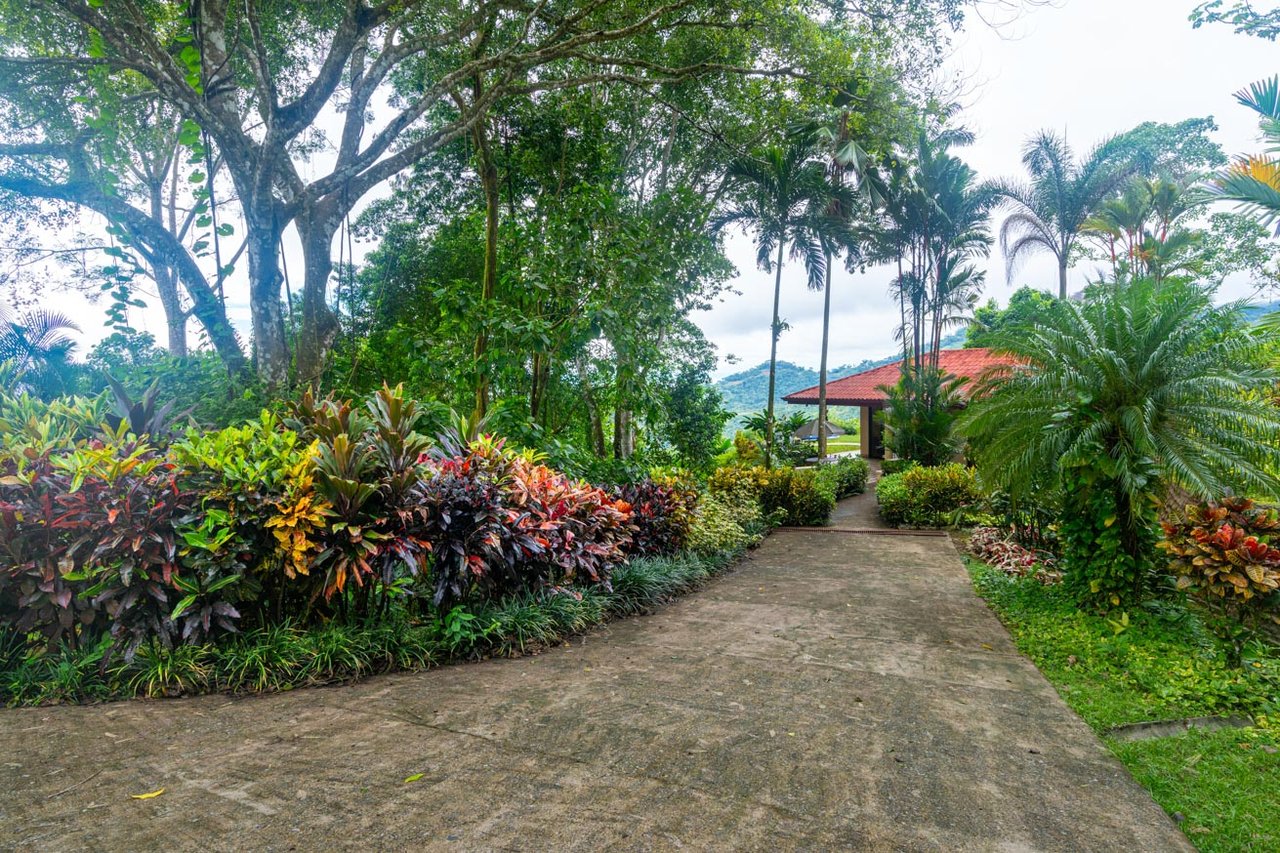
[(748, 390)]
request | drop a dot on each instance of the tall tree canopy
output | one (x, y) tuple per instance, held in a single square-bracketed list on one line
[(310, 106)]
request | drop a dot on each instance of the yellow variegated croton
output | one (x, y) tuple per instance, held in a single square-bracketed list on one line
[(300, 517)]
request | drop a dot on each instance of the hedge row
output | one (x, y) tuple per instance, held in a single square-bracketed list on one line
[(800, 497)]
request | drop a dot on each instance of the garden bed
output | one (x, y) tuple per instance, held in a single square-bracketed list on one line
[(285, 657), (1159, 663)]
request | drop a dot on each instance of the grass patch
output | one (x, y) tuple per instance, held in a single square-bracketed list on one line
[(1224, 784), (284, 657), (843, 443), (1160, 663)]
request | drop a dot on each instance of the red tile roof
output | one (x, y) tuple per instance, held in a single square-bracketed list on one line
[(862, 389)]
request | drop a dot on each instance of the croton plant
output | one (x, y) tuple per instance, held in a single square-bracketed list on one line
[(1223, 553)]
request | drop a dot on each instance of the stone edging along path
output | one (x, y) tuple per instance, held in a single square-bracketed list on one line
[(835, 691)]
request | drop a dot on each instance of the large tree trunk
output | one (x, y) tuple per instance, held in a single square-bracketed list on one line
[(320, 325), (175, 318), (774, 333), (624, 439), (822, 365), (535, 387), (1062, 276), (166, 280), (270, 347)]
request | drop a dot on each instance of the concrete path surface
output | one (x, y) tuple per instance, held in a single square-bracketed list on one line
[(837, 691)]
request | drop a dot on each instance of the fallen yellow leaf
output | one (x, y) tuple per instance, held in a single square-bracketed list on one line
[(414, 778), (150, 796)]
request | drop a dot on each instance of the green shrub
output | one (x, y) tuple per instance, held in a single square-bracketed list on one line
[(928, 497), (747, 448), (897, 466), (736, 479), (847, 474), (810, 498), (775, 493), (893, 499), (1108, 543), (801, 497), (726, 522)]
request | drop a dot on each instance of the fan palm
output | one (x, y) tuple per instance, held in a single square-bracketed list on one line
[(37, 346), (775, 191), (1142, 386), (1048, 211), (1254, 181)]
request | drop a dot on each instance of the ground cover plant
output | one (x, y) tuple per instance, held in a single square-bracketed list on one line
[(1161, 662)]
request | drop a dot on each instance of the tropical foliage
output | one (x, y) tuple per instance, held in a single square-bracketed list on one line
[(1047, 211), (1222, 553), (1253, 181), (1142, 386), (919, 414), (939, 496)]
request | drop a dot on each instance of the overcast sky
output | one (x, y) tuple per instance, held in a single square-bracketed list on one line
[(1088, 68)]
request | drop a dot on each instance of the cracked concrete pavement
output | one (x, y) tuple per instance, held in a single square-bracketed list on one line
[(835, 691)]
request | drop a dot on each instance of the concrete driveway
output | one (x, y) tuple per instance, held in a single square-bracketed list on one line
[(837, 691)]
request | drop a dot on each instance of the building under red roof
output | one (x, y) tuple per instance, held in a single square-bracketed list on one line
[(863, 389)]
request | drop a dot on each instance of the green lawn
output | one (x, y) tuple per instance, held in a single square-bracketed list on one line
[(1161, 665), (843, 443), (839, 444)]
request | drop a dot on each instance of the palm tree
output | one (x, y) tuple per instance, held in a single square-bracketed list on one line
[(37, 347), (1141, 229), (1048, 211), (938, 217), (1142, 386), (936, 221), (1254, 181), (775, 190), (852, 175)]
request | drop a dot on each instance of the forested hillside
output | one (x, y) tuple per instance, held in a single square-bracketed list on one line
[(748, 390)]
